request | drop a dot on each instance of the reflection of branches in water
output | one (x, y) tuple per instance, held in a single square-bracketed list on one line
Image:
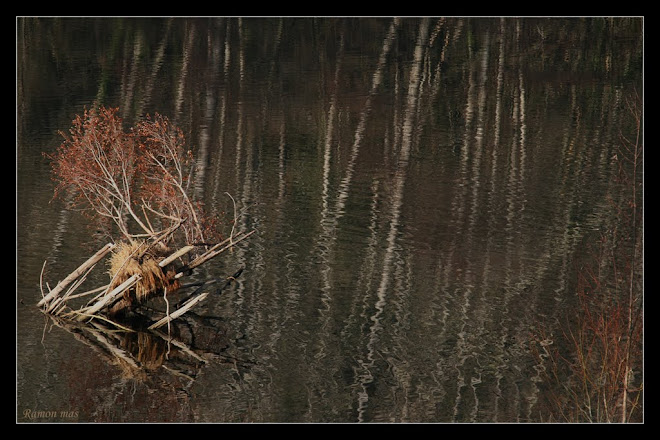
[(142, 363), (192, 343)]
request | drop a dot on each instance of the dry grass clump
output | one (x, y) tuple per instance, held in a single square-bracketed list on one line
[(129, 259)]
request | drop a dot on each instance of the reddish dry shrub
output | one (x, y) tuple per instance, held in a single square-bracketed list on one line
[(139, 179), (96, 163), (594, 373)]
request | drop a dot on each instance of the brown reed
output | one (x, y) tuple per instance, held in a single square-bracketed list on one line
[(130, 258)]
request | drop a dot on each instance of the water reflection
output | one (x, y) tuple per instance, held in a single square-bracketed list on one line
[(422, 191), (396, 203), (167, 363)]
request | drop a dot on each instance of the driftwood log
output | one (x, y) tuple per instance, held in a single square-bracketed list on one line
[(140, 271)]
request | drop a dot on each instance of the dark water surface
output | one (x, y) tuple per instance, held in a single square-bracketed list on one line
[(422, 191)]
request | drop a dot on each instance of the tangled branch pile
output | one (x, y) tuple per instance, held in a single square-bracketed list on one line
[(139, 181)]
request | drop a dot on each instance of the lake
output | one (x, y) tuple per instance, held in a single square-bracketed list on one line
[(424, 191)]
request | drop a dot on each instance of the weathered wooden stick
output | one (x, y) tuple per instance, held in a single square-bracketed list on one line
[(187, 306), (41, 279), (50, 308), (103, 290), (184, 250), (210, 250), (231, 239), (89, 292), (201, 285), (231, 244), (208, 255), (76, 273), (108, 297)]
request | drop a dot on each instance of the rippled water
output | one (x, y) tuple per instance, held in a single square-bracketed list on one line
[(423, 190)]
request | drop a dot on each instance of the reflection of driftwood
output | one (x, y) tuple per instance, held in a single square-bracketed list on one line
[(140, 272), (139, 352)]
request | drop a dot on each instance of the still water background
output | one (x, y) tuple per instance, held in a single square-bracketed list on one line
[(423, 190)]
